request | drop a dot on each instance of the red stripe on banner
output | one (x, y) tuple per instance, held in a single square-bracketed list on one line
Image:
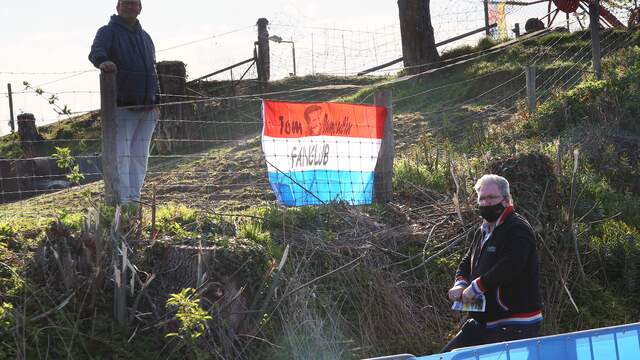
[(296, 120)]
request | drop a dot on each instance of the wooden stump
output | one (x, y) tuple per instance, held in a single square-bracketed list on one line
[(28, 133), (174, 117)]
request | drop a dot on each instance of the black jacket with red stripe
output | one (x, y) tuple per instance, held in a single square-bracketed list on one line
[(505, 270)]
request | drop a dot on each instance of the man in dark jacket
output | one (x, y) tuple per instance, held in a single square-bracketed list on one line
[(502, 266), (124, 48)]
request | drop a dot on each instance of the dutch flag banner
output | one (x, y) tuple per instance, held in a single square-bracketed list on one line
[(321, 152)]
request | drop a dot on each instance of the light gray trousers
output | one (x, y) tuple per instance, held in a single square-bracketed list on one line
[(133, 137)]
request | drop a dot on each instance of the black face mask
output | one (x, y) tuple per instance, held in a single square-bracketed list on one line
[(491, 213)]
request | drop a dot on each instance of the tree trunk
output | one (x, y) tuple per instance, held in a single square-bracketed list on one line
[(416, 29)]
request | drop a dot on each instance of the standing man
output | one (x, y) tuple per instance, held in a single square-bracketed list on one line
[(502, 266), (122, 47)]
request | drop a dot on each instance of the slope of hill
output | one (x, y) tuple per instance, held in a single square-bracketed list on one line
[(337, 281)]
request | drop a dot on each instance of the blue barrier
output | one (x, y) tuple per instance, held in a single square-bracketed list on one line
[(612, 343)]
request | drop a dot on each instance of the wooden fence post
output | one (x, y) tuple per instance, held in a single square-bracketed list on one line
[(11, 120), (594, 13), (108, 96), (383, 178), (486, 17), (530, 72), (263, 63)]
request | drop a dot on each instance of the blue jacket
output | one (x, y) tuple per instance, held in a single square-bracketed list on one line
[(133, 52)]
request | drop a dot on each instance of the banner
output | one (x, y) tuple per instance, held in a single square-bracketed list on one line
[(497, 15), (321, 152)]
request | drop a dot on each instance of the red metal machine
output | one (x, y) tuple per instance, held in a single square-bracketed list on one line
[(571, 6)]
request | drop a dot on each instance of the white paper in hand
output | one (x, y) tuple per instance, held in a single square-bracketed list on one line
[(477, 305)]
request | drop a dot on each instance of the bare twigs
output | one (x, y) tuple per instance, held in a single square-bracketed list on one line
[(572, 205)]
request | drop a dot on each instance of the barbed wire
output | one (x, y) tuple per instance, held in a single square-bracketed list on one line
[(304, 92), (512, 108), (47, 73), (211, 37), (258, 97)]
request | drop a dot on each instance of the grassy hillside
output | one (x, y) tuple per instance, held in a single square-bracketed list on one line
[(336, 281)]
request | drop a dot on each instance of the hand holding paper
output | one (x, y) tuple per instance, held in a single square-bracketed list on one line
[(468, 295), (455, 293)]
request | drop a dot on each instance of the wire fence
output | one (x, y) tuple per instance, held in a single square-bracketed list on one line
[(320, 49), (215, 151), (206, 147)]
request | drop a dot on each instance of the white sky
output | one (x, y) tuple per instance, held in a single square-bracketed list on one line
[(42, 36)]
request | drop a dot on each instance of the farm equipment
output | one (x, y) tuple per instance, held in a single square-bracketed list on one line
[(571, 6)]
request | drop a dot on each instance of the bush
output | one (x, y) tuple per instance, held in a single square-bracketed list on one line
[(457, 51), (612, 101), (7, 350), (304, 217), (176, 221), (618, 248), (192, 317), (406, 172), (72, 221), (7, 233), (486, 42), (253, 230)]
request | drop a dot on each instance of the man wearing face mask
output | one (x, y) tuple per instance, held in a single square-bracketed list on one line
[(124, 48), (502, 266)]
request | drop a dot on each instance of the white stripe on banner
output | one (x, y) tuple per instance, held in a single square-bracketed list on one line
[(321, 153)]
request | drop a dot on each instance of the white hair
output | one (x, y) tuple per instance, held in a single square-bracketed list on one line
[(501, 182)]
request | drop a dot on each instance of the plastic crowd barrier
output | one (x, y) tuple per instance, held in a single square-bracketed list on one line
[(612, 343)]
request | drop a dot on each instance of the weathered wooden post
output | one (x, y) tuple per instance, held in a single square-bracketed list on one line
[(530, 72), (108, 96), (262, 55), (11, 120), (173, 86), (486, 17), (383, 178), (28, 134), (594, 13), (516, 30)]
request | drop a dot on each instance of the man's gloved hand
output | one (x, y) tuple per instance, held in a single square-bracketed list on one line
[(108, 67), (455, 293)]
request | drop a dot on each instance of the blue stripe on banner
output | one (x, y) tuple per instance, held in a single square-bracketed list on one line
[(353, 187)]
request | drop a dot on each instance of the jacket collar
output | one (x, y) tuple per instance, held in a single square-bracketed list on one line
[(505, 214), (117, 20)]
